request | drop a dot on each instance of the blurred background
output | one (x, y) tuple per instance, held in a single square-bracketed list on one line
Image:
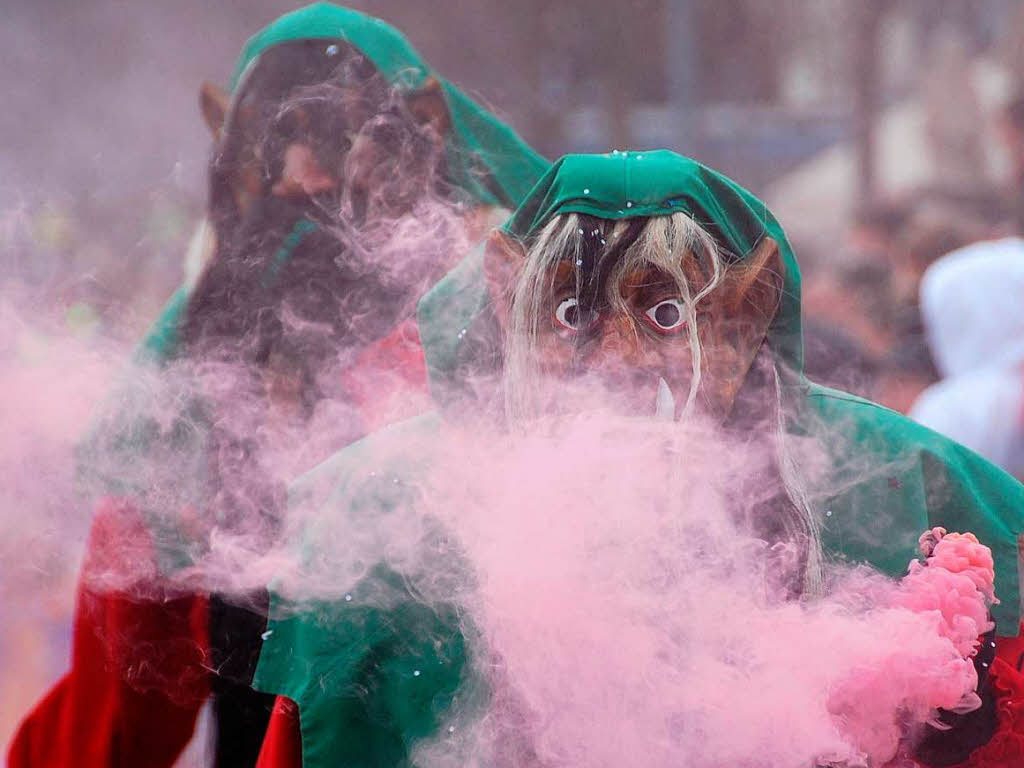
[(883, 134)]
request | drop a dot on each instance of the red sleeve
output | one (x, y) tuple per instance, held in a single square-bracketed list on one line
[(282, 746), (388, 381), (1006, 747), (137, 678)]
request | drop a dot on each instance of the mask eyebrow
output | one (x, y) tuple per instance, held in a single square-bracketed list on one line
[(649, 280)]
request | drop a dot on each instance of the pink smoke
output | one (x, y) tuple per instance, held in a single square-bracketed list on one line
[(950, 592), (620, 608), (51, 377), (625, 618)]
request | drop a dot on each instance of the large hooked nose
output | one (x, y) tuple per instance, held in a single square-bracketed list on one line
[(622, 345)]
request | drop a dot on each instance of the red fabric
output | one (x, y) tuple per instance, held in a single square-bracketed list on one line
[(1011, 649), (388, 382), (1006, 747), (137, 679), (282, 746)]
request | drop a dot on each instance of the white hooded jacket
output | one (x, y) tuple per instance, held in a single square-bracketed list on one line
[(972, 304)]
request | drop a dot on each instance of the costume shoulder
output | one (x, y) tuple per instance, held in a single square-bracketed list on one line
[(360, 507), (372, 672), (879, 480), (394, 452), (372, 659)]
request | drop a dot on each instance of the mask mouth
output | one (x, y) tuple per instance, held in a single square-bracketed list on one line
[(664, 402)]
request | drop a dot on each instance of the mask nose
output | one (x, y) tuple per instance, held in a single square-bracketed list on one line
[(621, 347)]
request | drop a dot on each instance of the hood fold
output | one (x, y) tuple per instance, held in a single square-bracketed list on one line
[(486, 159)]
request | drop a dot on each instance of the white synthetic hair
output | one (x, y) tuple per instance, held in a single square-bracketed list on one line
[(663, 243)]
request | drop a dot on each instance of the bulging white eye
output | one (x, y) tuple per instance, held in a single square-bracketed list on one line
[(569, 314), (667, 315)]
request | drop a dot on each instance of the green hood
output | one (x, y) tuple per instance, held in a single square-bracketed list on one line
[(617, 185), (487, 160), (622, 185), (885, 479)]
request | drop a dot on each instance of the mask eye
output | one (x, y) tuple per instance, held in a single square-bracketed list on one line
[(570, 315), (666, 316)]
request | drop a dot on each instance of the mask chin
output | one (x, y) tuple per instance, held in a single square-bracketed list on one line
[(631, 398)]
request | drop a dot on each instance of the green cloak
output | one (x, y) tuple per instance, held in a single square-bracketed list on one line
[(486, 161), (356, 671)]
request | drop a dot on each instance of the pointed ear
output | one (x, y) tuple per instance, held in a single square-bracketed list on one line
[(504, 257), (755, 285), (428, 105), (214, 103), (747, 302)]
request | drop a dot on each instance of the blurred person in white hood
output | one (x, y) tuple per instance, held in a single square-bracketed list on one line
[(972, 305)]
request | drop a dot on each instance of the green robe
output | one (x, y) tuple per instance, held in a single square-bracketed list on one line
[(357, 671), (487, 163)]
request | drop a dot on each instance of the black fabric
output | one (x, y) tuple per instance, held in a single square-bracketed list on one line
[(965, 732), (241, 714)]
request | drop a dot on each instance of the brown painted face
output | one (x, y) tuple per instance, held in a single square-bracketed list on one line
[(631, 327)]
